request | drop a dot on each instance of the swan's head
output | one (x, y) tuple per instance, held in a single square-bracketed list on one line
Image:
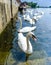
[(32, 35), (33, 19)]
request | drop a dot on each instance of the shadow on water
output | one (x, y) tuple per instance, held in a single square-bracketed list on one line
[(6, 38)]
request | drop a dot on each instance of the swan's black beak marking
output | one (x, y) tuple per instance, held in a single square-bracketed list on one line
[(34, 37)]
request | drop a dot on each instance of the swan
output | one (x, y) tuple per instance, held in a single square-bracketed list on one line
[(25, 44), (26, 17), (38, 13), (30, 20), (23, 41), (36, 17), (41, 12), (29, 11), (25, 29)]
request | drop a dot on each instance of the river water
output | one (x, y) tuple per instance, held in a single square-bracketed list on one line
[(41, 48)]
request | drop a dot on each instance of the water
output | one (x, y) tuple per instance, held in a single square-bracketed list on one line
[(6, 38), (41, 49)]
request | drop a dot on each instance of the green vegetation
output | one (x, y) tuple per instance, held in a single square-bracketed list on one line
[(33, 5)]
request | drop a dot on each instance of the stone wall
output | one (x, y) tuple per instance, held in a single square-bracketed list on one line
[(5, 12)]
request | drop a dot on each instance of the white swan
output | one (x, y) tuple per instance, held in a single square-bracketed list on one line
[(25, 29), (26, 17), (37, 17), (38, 13), (24, 43), (30, 20), (29, 11)]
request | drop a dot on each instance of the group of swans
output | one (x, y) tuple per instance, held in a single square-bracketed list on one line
[(30, 20), (35, 17), (38, 15), (23, 41)]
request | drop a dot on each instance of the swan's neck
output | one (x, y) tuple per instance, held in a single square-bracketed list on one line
[(27, 39), (20, 22)]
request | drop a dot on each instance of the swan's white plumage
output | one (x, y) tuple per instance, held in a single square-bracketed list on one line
[(37, 17), (23, 41), (23, 44), (27, 29), (30, 20)]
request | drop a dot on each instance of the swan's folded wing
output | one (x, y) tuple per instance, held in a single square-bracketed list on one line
[(27, 29), (22, 43)]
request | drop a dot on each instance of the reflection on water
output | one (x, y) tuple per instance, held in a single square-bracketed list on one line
[(41, 49)]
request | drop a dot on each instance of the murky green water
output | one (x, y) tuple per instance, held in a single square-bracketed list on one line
[(6, 38), (41, 49)]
